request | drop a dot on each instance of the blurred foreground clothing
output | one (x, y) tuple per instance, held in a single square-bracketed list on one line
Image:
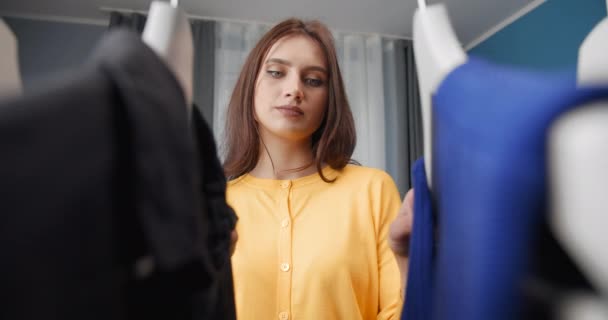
[(419, 290), (111, 204), (494, 256)]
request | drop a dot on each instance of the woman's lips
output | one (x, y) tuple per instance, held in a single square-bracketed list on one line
[(291, 111)]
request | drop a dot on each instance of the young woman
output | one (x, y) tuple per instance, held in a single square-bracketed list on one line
[(313, 227)]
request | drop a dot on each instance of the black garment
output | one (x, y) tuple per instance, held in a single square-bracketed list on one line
[(105, 211), (552, 279)]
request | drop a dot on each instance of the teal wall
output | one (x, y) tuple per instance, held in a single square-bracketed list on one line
[(546, 38)]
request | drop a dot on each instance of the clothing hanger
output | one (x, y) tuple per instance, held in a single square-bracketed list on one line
[(437, 52), (168, 33), (578, 161), (10, 80)]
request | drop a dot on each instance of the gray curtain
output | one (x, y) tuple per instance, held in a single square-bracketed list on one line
[(203, 36), (413, 107), (402, 113)]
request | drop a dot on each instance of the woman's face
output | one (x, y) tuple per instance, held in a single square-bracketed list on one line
[(291, 89)]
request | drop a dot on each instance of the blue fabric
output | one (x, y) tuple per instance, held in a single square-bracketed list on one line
[(419, 282), (489, 132)]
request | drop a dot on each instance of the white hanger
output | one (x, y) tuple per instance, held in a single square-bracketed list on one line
[(578, 161), (168, 33), (10, 81), (437, 52)]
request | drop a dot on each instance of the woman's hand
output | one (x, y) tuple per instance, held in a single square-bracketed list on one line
[(399, 234), (401, 227)]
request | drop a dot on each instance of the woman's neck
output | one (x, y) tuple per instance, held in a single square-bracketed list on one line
[(284, 159)]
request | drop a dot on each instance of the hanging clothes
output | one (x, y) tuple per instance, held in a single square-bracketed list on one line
[(493, 246), (112, 205), (419, 288)]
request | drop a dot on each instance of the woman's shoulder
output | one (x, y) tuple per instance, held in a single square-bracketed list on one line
[(365, 173), (374, 183), (235, 182)]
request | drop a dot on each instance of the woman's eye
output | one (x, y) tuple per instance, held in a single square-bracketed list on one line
[(314, 82), (274, 73)]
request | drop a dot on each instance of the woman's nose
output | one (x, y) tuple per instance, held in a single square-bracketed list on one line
[(293, 89)]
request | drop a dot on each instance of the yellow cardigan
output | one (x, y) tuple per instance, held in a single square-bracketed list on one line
[(313, 250)]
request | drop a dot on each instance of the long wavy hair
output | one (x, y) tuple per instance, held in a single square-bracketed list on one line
[(333, 142)]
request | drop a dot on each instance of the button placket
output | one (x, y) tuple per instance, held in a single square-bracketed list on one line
[(285, 244)]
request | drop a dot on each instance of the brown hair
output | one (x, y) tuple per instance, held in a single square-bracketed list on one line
[(333, 142)]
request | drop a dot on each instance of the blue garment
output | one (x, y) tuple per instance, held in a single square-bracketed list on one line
[(490, 125), (419, 283)]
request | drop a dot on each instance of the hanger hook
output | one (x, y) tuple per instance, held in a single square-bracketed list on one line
[(421, 4)]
